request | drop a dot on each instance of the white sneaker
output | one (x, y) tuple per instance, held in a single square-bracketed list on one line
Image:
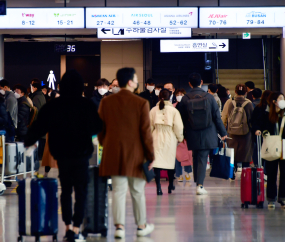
[(201, 190), (239, 169), (147, 230), (119, 234)]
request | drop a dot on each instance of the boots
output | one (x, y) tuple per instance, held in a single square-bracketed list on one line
[(158, 190), (170, 188)]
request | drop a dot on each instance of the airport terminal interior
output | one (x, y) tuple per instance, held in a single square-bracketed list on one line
[(229, 42)]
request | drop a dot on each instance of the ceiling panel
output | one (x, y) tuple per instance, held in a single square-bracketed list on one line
[(54, 3), (140, 3), (251, 3), (196, 3)]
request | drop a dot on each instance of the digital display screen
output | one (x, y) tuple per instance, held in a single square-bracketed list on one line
[(40, 18), (242, 17), (141, 17)]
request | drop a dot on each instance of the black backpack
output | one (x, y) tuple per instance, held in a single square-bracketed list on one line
[(199, 111)]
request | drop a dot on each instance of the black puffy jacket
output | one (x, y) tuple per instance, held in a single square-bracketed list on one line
[(23, 116)]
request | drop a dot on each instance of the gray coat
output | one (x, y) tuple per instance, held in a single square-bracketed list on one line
[(38, 99), (206, 138), (12, 106)]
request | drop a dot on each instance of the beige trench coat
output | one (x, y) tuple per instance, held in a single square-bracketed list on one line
[(167, 130)]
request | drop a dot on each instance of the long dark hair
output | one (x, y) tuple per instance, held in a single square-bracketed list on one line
[(164, 95), (263, 100), (273, 115)]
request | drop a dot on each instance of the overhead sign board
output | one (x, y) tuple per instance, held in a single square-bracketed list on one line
[(242, 17), (41, 18), (121, 33), (141, 17), (194, 45), (246, 35)]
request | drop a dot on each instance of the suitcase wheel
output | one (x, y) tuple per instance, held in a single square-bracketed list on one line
[(246, 205), (54, 238), (242, 205), (20, 239)]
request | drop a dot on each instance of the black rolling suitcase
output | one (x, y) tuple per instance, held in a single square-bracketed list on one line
[(96, 212)]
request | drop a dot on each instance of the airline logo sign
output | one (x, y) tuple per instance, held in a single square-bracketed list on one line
[(194, 45), (242, 17), (182, 17)]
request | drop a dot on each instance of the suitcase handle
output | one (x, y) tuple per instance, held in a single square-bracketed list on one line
[(27, 152)]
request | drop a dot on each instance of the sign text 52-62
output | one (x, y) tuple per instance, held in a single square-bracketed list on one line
[(68, 22)]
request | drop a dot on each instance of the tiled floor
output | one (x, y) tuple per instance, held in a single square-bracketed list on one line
[(181, 216)]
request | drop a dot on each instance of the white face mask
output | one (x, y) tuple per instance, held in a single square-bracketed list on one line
[(2, 92), (102, 91), (281, 104), (17, 95), (32, 89), (179, 98), (157, 92), (150, 88), (116, 89)]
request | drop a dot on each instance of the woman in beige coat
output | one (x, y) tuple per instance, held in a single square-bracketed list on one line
[(167, 130)]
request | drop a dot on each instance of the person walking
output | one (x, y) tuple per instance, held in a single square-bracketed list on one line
[(101, 91), (167, 129), (212, 89), (149, 93), (271, 121), (250, 86), (127, 142), (239, 127), (70, 120), (201, 127)]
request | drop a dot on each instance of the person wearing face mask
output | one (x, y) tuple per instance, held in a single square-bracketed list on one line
[(149, 93), (23, 112), (125, 149), (158, 88), (114, 87), (101, 92), (271, 121), (10, 101), (243, 142), (171, 88)]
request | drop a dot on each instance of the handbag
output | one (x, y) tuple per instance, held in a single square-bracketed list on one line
[(149, 174), (183, 155), (272, 144), (223, 162)]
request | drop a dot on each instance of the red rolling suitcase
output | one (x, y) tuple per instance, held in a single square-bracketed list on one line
[(252, 183), (163, 174)]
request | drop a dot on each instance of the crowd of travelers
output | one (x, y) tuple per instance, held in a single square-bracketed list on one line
[(134, 127)]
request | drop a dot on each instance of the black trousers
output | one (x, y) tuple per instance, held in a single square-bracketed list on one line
[(73, 177), (170, 176), (200, 158), (272, 173)]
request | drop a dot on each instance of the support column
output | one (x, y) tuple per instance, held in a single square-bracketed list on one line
[(1, 56), (282, 64)]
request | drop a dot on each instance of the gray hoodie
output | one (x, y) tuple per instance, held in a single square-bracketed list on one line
[(12, 106)]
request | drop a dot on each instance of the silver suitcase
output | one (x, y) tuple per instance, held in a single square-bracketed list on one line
[(14, 158)]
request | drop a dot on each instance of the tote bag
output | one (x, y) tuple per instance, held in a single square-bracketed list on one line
[(272, 144), (184, 155), (223, 163)]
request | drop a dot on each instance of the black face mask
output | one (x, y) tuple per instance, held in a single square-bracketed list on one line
[(136, 88)]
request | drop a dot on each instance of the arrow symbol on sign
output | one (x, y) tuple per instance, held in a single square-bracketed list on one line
[(223, 45), (103, 30)]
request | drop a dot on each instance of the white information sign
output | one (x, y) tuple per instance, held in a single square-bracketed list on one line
[(121, 33), (194, 45), (141, 17), (242, 17), (40, 18)]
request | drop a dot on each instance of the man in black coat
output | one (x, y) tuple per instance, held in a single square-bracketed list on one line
[(149, 93), (23, 112), (70, 120), (201, 141), (171, 88), (101, 91)]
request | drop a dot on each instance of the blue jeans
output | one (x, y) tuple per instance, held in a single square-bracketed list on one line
[(178, 168)]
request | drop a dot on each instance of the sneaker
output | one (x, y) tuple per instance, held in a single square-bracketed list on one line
[(79, 237), (147, 230), (201, 190), (180, 179), (239, 169), (265, 177), (119, 233), (282, 203), (271, 204), (187, 177)]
